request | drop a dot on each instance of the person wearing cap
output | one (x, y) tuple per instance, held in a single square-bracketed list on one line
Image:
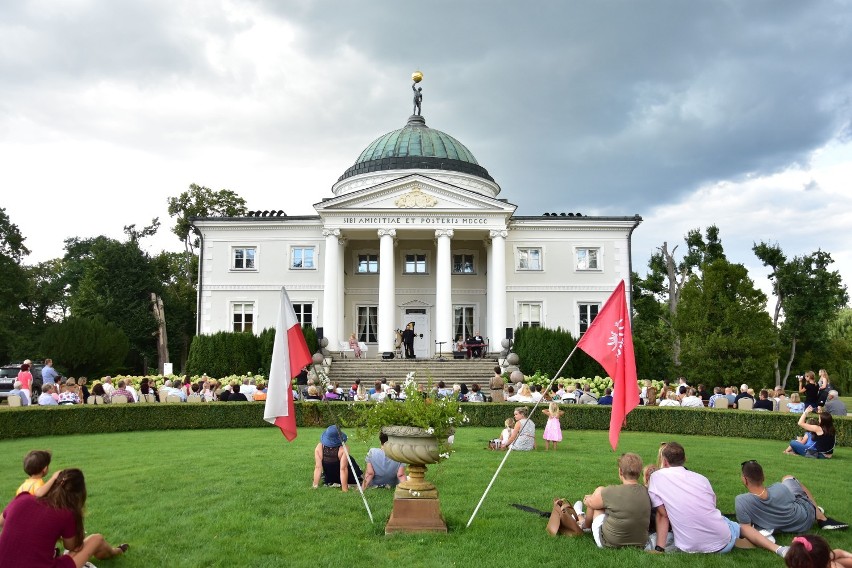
[(785, 507), (331, 460)]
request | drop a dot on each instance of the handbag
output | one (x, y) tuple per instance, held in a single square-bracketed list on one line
[(563, 520)]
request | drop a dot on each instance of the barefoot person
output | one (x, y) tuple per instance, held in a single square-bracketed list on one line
[(32, 525)]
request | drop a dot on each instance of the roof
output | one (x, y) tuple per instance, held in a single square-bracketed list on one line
[(416, 146)]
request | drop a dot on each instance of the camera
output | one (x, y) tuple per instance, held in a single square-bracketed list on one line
[(800, 377)]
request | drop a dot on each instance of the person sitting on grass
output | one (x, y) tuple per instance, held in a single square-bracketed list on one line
[(618, 514), (36, 464), (685, 501), (331, 460), (813, 551), (381, 470), (31, 526), (785, 507), (823, 437), (522, 437), (503, 440)]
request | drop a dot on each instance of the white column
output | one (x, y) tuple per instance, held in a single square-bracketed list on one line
[(341, 302), (497, 288), (444, 289), (489, 295), (387, 290), (331, 311)]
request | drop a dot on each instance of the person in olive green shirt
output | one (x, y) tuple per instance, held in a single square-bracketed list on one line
[(618, 514)]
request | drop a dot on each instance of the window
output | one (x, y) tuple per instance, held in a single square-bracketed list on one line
[(368, 264), (529, 259), (302, 258), (588, 312), (462, 322), (304, 313), (244, 258), (529, 314), (415, 263), (368, 324), (243, 317), (463, 264), (587, 259)]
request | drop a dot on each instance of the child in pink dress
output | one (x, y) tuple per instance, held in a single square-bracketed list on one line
[(553, 429)]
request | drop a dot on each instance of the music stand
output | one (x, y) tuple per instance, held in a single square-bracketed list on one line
[(440, 345)]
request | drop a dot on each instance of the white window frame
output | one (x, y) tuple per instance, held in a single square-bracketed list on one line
[(244, 248), (473, 319), (359, 254), (303, 248), (426, 262), (584, 307), (362, 328), (519, 251), (578, 251), (299, 308), (238, 307), (529, 321), (464, 253)]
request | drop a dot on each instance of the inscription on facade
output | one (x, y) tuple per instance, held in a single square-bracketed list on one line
[(414, 220)]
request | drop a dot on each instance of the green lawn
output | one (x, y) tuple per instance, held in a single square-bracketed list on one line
[(244, 498)]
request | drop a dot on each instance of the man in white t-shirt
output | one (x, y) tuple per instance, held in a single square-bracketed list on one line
[(692, 399), (685, 502)]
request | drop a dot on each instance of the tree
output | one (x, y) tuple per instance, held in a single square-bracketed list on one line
[(179, 298), (201, 201), (808, 297), (114, 280), (84, 346), (135, 235), (652, 337), (13, 286), (725, 331), (668, 276)]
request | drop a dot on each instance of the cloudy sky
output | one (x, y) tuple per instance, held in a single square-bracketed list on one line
[(687, 113)]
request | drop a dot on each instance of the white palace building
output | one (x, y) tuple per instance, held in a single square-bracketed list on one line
[(415, 232)]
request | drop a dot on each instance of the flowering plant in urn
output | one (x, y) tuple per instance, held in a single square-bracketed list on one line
[(417, 411)]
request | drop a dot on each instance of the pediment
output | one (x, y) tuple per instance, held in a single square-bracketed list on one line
[(413, 193)]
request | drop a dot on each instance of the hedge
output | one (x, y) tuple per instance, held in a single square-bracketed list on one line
[(87, 419)]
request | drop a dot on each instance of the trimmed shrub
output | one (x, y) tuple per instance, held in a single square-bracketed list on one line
[(36, 421)]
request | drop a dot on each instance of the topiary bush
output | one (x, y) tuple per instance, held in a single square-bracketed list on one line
[(25, 422)]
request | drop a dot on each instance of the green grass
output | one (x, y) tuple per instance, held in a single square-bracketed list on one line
[(244, 498)]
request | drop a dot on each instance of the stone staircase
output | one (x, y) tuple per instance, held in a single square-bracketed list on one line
[(480, 371)]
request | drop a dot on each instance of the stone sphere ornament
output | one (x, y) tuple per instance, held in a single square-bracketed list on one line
[(505, 343), (318, 358), (323, 342), (517, 376), (417, 76), (513, 359)]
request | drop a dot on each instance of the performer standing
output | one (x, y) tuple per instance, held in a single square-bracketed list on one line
[(408, 340)]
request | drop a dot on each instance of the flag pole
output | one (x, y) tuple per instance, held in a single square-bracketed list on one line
[(348, 457), (509, 451)]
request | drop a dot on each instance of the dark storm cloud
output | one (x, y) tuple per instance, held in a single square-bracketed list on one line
[(610, 105)]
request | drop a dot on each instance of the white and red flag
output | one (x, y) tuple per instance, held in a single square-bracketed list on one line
[(609, 340), (290, 355)]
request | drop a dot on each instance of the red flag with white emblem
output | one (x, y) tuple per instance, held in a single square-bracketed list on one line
[(609, 340)]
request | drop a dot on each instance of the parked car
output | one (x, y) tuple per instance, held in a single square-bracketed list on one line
[(9, 374)]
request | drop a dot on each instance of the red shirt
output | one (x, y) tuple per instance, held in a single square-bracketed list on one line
[(26, 379), (30, 531)]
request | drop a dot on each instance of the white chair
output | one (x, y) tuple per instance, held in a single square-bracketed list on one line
[(118, 399), (14, 400), (94, 399), (745, 404), (173, 398), (148, 397), (720, 403), (194, 397), (782, 404)]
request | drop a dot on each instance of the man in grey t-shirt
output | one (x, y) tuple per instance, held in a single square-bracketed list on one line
[(786, 507), (381, 470)]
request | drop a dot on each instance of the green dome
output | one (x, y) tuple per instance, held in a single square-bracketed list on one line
[(416, 146)]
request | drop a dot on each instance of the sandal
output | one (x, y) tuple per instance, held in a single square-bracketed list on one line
[(123, 547)]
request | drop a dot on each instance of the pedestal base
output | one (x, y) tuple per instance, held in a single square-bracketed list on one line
[(416, 515)]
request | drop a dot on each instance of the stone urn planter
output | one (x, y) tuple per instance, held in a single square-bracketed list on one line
[(415, 502)]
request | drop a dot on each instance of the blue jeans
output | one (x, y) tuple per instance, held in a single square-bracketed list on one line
[(801, 449)]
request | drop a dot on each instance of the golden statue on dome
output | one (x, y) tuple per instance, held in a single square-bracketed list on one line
[(417, 76)]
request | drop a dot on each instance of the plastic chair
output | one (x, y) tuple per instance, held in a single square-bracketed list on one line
[(173, 398), (14, 400), (194, 397), (720, 403), (118, 399), (745, 404)]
